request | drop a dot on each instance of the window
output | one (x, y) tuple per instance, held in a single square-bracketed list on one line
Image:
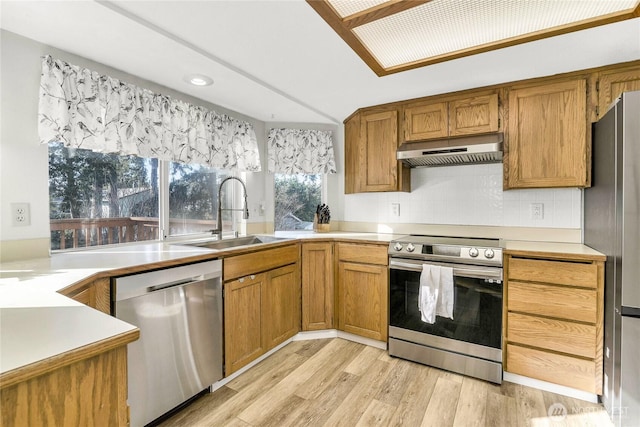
[(98, 199), (296, 199), (193, 198)]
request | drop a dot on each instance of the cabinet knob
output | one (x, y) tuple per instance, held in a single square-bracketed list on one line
[(253, 276), (241, 280)]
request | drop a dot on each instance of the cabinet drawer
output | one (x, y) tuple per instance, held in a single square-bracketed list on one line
[(554, 368), (558, 335), (556, 272), (365, 254), (256, 262), (552, 301)]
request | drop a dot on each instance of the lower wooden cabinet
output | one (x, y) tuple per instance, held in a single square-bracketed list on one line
[(363, 290), (281, 305), (243, 321), (88, 390), (262, 307), (317, 286), (96, 294), (553, 329)]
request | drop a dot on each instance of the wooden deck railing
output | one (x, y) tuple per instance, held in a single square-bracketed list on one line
[(84, 232)]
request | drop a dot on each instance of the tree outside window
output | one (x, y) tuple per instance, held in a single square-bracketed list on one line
[(296, 199)]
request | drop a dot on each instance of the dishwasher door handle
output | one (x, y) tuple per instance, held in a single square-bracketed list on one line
[(173, 284)]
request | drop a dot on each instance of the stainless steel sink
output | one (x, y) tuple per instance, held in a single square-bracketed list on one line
[(237, 241)]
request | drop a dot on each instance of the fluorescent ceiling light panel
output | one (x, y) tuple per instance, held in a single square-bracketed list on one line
[(397, 35), (351, 7), (443, 26)]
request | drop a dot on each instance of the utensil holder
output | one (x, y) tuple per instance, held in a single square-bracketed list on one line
[(320, 228)]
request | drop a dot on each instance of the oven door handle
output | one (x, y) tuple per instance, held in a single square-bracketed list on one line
[(458, 270)]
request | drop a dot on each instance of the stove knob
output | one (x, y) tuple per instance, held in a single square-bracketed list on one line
[(397, 247), (410, 247), (488, 253), (473, 252)]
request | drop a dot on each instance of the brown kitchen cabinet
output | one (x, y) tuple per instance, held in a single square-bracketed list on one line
[(370, 153), (317, 286), (362, 290), (261, 303), (458, 117), (89, 389), (95, 294), (611, 83), (553, 328), (243, 321), (548, 136), (281, 305)]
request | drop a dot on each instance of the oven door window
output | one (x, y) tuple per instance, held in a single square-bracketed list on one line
[(477, 309)]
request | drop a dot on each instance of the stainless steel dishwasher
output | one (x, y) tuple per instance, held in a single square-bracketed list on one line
[(179, 353)]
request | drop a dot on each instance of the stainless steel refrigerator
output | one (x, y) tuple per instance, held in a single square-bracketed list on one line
[(612, 226)]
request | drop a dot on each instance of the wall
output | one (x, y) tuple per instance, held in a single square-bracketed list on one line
[(466, 195), (24, 161)]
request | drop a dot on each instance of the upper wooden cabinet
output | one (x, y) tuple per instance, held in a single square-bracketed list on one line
[(370, 154), (458, 117), (475, 115), (612, 83), (426, 121), (548, 136)]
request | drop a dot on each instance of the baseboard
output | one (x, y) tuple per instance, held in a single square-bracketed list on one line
[(553, 388)]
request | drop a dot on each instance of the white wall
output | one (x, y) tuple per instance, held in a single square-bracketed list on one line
[(466, 195)]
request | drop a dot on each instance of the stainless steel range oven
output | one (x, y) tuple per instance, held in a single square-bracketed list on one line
[(471, 342)]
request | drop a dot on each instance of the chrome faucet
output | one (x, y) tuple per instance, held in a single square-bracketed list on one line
[(245, 211)]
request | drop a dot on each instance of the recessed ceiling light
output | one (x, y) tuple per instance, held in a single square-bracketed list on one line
[(198, 80)]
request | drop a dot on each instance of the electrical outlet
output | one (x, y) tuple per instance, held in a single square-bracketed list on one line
[(395, 209), (537, 211), (20, 214)]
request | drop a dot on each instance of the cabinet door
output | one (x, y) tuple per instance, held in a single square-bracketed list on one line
[(473, 115), (425, 121), (548, 136), (363, 300), (379, 168), (243, 321), (613, 83), (351, 154), (281, 305), (317, 286)]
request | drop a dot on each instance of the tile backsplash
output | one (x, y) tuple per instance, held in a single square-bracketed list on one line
[(467, 195)]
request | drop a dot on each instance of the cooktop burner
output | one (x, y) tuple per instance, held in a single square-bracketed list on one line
[(449, 249)]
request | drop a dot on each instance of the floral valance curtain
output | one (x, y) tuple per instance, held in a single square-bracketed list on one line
[(83, 109), (293, 151)]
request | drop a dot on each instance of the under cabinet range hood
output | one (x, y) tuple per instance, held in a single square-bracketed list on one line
[(452, 151)]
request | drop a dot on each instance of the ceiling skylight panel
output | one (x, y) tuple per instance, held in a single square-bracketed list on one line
[(441, 27), (350, 7)]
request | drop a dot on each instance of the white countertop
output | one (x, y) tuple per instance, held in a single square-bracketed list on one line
[(37, 323)]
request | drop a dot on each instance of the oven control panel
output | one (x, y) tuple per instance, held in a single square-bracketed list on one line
[(445, 252)]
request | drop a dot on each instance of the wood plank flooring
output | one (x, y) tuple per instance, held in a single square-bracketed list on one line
[(335, 382)]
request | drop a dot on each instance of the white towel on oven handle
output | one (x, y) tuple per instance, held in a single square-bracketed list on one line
[(435, 294)]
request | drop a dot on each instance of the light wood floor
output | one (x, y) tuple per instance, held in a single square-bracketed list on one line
[(340, 383)]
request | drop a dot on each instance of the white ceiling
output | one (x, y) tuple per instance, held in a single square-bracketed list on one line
[(277, 60)]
